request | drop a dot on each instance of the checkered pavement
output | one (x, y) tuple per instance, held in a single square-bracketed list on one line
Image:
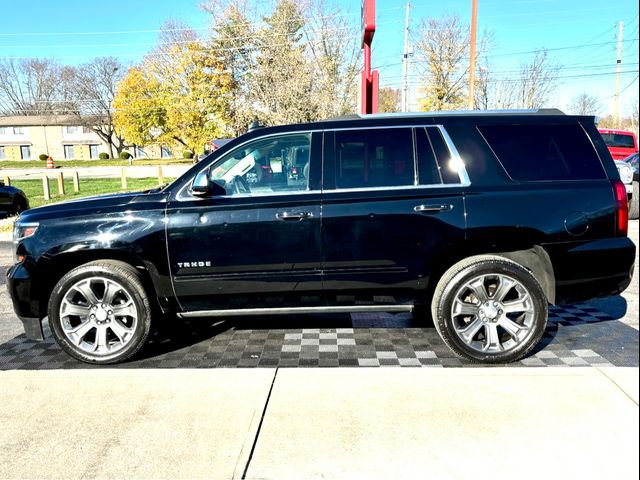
[(577, 335)]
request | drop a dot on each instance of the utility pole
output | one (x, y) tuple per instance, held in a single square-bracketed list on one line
[(405, 64), (472, 54), (616, 97)]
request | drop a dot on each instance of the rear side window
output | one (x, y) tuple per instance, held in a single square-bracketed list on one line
[(544, 152), (374, 158)]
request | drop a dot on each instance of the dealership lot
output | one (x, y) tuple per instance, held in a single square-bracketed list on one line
[(600, 333)]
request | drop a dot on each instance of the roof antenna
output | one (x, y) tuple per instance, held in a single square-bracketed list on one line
[(254, 126)]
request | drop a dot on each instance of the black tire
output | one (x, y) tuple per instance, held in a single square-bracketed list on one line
[(456, 279), (633, 204), (132, 286), (18, 206)]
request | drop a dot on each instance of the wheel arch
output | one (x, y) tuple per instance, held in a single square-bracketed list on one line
[(57, 266), (534, 258)]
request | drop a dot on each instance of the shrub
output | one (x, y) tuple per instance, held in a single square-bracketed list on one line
[(124, 156), (103, 156), (187, 154), (43, 156)]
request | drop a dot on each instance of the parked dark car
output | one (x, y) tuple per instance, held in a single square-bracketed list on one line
[(483, 219), (12, 200), (632, 161)]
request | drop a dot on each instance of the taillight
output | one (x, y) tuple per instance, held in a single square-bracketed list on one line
[(622, 208)]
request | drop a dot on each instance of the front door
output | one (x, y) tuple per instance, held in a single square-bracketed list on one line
[(258, 246)]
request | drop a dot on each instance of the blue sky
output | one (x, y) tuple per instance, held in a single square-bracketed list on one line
[(580, 35)]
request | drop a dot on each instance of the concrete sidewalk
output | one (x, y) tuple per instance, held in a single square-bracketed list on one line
[(320, 423)]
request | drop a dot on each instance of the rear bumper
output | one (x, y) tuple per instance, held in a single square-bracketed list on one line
[(593, 269)]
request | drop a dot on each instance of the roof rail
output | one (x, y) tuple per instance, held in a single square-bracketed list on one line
[(538, 111)]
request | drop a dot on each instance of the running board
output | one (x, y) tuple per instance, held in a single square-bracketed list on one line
[(293, 310)]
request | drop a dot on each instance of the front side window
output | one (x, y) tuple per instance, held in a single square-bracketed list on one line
[(374, 158), (271, 165), (68, 152)]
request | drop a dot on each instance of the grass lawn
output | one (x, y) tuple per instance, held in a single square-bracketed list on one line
[(88, 187), (94, 163)]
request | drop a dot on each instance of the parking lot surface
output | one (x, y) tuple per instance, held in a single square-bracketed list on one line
[(599, 333)]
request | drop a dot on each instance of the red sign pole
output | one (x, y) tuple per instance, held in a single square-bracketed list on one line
[(369, 80)]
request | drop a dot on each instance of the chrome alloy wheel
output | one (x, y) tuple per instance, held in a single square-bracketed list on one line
[(493, 313), (98, 316)]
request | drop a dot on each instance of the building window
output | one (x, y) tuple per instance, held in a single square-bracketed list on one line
[(3, 130), (165, 152), (3, 155), (139, 152), (72, 130), (93, 151), (25, 152), (68, 152), (19, 130)]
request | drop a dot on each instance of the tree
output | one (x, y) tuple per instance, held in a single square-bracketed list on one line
[(334, 57), (492, 92), (442, 52), (536, 81), (95, 88), (584, 104), (139, 112), (36, 87), (177, 96), (388, 100)]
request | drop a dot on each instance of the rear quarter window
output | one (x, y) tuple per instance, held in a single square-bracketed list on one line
[(544, 152)]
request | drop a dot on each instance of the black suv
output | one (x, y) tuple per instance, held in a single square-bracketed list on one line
[(484, 219)]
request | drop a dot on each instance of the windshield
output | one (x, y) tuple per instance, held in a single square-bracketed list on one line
[(618, 140)]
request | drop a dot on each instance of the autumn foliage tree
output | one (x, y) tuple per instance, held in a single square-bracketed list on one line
[(178, 96)]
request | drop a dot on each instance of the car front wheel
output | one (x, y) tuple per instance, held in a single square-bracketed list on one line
[(489, 309), (100, 313)]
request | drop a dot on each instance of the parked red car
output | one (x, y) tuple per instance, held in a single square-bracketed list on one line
[(621, 143)]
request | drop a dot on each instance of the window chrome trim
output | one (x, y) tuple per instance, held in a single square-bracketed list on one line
[(455, 156), (465, 181)]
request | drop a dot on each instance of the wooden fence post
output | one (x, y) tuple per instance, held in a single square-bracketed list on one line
[(76, 181), (160, 176), (7, 181), (45, 187), (123, 178), (60, 183)]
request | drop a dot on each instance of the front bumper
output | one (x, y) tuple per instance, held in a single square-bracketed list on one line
[(25, 300)]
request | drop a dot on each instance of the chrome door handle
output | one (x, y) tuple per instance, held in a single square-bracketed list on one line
[(433, 208), (295, 216)]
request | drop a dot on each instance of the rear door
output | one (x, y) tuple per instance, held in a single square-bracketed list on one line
[(390, 212)]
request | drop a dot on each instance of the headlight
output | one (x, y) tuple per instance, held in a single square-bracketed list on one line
[(626, 173), (20, 232)]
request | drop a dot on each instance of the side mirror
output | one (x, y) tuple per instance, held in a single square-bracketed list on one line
[(203, 187)]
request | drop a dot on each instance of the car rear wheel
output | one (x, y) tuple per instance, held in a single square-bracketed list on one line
[(489, 309), (100, 313)]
